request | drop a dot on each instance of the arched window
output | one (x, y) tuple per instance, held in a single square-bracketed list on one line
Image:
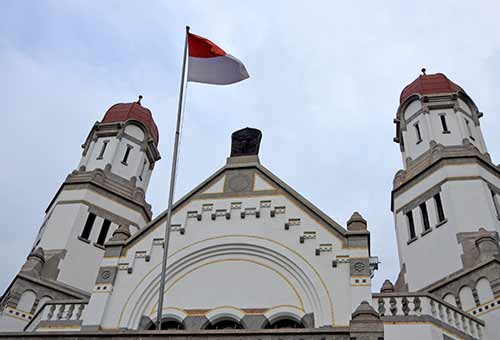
[(26, 301), (225, 324), (168, 324), (484, 291), (450, 298), (466, 298), (284, 323)]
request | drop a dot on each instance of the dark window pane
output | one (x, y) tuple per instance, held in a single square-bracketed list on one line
[(104, 232), (425, 216), (88, 226), (439, 207), (443, 123), (411, 225)]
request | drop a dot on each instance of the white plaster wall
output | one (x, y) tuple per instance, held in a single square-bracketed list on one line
[(492, 327), (431, 129), (11, 323), (467, 205), (414, 331), (135, 294), (66, 220), (92, 161)]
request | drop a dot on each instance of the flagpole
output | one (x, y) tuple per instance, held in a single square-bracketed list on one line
[(172, 187)]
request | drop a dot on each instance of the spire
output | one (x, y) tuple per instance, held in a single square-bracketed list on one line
[(356, 222), (387, 287), (34, 263), (121, 234)]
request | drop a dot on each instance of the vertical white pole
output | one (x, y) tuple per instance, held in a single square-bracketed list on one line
[(172, 187)]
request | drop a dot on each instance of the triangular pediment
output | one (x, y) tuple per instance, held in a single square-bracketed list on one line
[(246, 179)]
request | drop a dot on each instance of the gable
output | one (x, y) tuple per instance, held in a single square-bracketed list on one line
[(245, 180)]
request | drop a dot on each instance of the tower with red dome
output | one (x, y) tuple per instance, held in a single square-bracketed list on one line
[(105, 191), (446, 199)]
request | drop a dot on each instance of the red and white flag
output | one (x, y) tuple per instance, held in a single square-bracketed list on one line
[(210, 64)]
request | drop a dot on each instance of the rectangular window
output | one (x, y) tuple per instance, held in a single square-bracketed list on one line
[(142, 170), (88, 226), (127, 153), (411, 225), (104, 232), (469, 131), (439, 208), (103, 149), (495, 203), (417, 131), (425, 216), (444, 124)]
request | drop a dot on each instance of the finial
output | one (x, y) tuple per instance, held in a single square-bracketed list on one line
[(139, 100), (423, 71)]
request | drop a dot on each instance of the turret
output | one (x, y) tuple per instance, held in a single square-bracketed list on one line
[(107, 189), (449, 186)]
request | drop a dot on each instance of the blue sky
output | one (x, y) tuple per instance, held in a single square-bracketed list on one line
[(324, 89)]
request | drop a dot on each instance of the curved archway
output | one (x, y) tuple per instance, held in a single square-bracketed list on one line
[(26, 301), (285, 322), (168, 324), (274, 256), (450, 298), (484, 291), (224, 323), (466, 298)]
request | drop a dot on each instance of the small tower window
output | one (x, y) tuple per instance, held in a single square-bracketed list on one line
[(143, 169), (439, 208), (425, 216), (411, 225), (495, 203), (104, 232), (88, 226), (469, 130), (127, 153), (103, 149), (443, 123), (419, 134)]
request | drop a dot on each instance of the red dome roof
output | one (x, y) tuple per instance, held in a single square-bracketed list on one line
[(429, 84), (126, 111)]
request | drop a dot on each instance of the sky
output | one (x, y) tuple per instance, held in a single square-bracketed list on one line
[(325, 79)]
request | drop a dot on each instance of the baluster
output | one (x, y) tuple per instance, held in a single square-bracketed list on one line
[(51, 312), (381, 306), (406, 308), (433, 308), (441, 313), (394, 306), (60, 313), (80, 311), (417, 305), (70, 311), (448, 316)]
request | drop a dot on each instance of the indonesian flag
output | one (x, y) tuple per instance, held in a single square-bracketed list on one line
[(210, 64)]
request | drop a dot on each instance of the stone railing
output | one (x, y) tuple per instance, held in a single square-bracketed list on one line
[(58, 315), (408, 307)]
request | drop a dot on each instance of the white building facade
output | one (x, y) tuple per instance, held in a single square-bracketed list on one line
[(249, 257)]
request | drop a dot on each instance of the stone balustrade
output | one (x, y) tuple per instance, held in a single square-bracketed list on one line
[(409, 307), (58, 315)]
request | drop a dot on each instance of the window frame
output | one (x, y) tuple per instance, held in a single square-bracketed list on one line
[(410, 222), (444, 123), (103, 149), (418, 132), (88, 226), (127, 154), (438, 203), (424, 214)]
